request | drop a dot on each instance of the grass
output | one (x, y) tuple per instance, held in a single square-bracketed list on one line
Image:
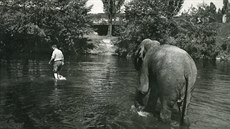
[(100, 47)]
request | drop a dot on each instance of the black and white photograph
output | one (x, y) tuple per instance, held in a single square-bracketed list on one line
[(114, 64)]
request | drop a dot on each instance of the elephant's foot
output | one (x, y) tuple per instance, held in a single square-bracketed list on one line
[(143, 113), (165, 116), (135, 108), (139, 111)]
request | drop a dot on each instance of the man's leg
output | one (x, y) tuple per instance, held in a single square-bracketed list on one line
[(59, 69), (56, 75), (55, 70)]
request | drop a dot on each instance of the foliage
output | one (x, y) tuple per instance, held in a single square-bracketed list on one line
[(219, 16), (226, 10), (111, 8), (193, 31), (198, 30), (32, 25), (223, 40), (148, 19), (225, 6)]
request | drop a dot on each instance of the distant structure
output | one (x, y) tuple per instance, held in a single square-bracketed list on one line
[(101, 19), (101, 24)]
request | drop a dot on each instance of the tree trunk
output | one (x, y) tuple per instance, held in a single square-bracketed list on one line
[(110, 26)]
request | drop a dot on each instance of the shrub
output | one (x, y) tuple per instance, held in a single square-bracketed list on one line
[(31, 25), (148, 19), (198, 33)]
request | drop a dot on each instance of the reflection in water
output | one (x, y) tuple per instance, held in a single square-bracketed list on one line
[(98, 93), (210, 106)]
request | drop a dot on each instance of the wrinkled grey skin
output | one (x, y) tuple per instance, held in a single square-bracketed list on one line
[(167, 73)]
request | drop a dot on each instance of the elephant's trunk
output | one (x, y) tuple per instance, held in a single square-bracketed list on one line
[(137, 60), (139, 104)]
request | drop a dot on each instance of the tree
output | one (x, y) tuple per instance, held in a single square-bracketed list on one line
[(32, 25), (172, 7), (148, 19), (212, 12), (111, 8), (225, 6), (225, 10), (198, 33), (219, 15)]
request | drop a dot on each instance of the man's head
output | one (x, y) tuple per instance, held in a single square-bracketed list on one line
[(54, 46)]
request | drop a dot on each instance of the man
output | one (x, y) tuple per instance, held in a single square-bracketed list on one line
[(58, 59)]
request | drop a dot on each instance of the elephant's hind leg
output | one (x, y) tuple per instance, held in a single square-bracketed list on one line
[(168, 102), (166, 109)]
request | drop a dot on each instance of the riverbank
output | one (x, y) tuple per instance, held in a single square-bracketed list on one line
[(95, 45), (103, 45)]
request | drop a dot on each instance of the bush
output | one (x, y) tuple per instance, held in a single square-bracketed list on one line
[(28, 26), (223, 40), (198, 33), (148, 19), (193, 31)]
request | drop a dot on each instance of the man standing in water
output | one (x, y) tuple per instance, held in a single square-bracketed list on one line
[(58, 59)]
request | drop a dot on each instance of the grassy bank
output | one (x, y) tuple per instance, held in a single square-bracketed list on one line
[(103, 45)]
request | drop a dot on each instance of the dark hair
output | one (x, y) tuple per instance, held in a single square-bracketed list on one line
[(54, 45)]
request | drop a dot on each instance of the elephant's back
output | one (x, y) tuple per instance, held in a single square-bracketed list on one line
[(175, 60), (171, 66), (172, 50), (168, 54)]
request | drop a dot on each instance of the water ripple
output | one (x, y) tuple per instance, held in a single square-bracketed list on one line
[(98, 93)]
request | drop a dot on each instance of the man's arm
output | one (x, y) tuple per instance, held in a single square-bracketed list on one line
[(52, 58)]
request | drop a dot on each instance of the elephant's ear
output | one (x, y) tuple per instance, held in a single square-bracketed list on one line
[(142, 52), (139, 57)]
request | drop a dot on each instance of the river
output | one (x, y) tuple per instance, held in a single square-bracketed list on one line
[(98, 93)]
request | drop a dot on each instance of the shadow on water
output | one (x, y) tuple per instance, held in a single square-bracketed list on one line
[(98, 93)]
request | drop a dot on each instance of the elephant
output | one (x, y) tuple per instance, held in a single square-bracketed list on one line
[(165, 73)]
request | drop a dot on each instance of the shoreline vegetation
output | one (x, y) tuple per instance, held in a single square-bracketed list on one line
[(31, 27)]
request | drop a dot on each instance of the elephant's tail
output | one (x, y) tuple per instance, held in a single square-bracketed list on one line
[(184, 101)]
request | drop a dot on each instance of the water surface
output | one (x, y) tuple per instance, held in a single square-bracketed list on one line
[(98, 93)]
